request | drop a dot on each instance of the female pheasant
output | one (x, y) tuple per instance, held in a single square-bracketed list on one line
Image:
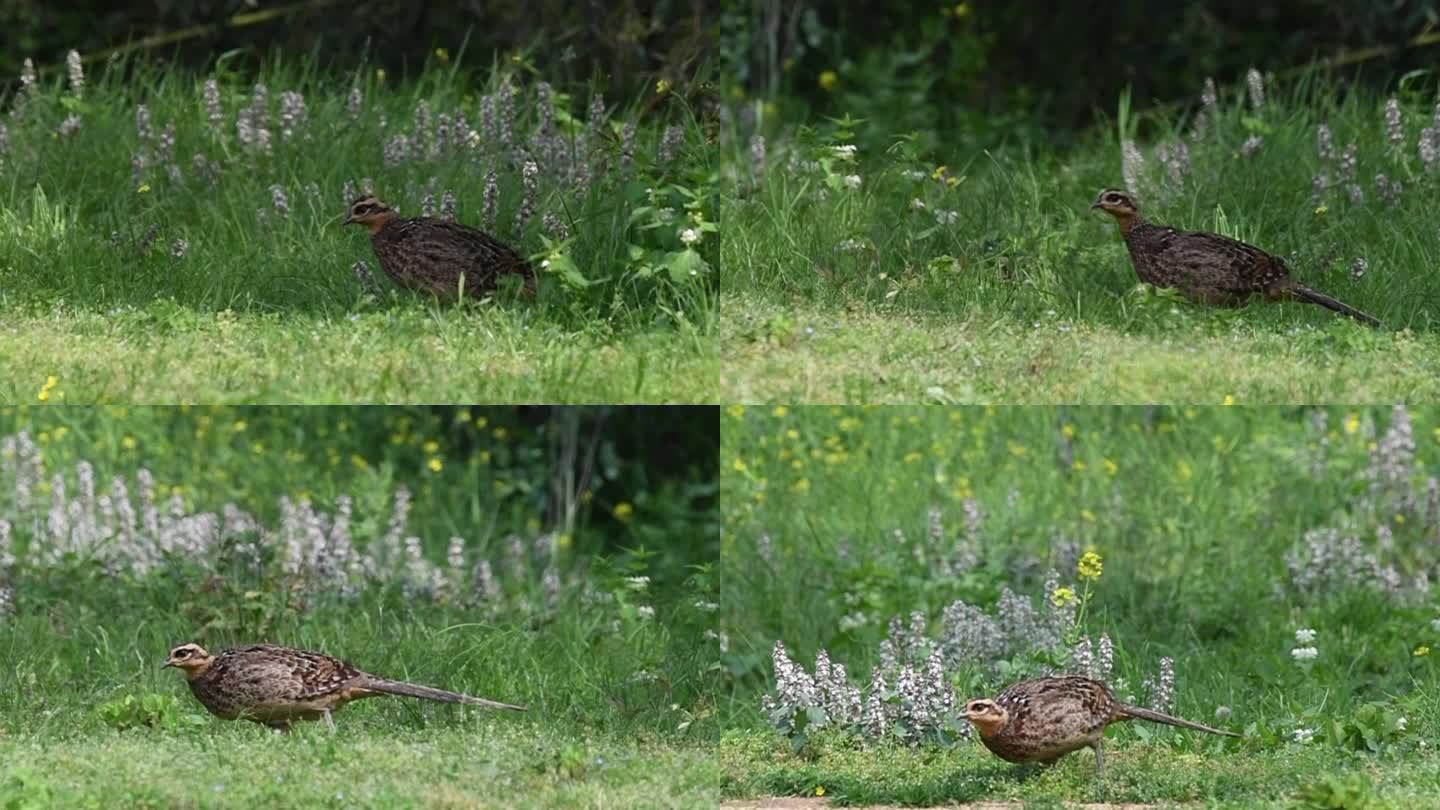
[(1206, 267), (1044, 719), (435, 255), (277, 685)]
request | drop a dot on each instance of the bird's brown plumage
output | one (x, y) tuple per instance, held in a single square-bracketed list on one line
[(1044, 719), (1206, 267), (431, 255), (277, 685)]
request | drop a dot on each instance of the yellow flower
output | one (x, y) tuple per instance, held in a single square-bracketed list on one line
[(379, 74), (442, 54), (484, 456), (1111, 467), (500, 433), (662, 87), (1090, 566), (802, 485), (1228, 400), (739, 465), (128, 442), (1087, 515), (828, 80), (623, 511), (1063, 596), (1321, 210), (1422, 651), (1352, 423), (258, 448), (239, 425), (435, 465), (736, 411), (792, 434), (563, 540), (431, 446), (359, 461), (1183, 471), (780, 410), (1067, 430), (962, 10), (143, 189), (819, 790)]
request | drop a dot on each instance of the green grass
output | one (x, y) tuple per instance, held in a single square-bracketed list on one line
[(166, 352), (238, 278), (593, 621), (805, 352), (1040, 290), (754, 765), (840, 518), (482, 762)]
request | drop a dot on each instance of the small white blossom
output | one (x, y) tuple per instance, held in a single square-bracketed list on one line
[(852, 180), (1304, 653), (646, 612), (947, 217), (1304, 635), (689, 236), (637, 583), (1303, 735), (845, 150)]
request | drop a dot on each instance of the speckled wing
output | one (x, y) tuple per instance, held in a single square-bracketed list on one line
[(1219, 263), (1050, 717), (291, 674)]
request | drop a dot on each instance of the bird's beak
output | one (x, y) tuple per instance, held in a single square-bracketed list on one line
[(348, 219), (167, 664), (1094, 205)]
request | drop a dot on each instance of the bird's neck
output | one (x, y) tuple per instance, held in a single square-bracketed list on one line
[(377, 223), (198, 669), (989, 726), (1128, 221)]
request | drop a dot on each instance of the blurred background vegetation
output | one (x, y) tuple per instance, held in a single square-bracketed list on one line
[(990, 71), (626, 43)]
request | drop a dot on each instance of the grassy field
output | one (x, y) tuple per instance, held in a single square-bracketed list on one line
[(1264, 570), (163, 225), (875, 272), (408, 541)]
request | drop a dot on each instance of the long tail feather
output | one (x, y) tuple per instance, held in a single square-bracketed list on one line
[(1316, 297), (431, 693), (1157, 717)]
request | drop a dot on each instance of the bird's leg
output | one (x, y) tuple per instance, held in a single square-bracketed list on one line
[(1099, 746), (329, 721)]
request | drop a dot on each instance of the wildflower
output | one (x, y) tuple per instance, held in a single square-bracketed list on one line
[(1164, 693), (1304, 635), (69, 126), (689, 237), (1063, 597), (670, 141), (396, 150), (1304, 654), (845, 151), (852, 181), (1222, 713), (1303, 735), (142, 122), (623, 511), (530, 177), (1251, 145), (627, 145), (946, 217), (1209, 107), (1422, 651), (1358, 268), (1324, 143), (1394, 129), (435, 465), (1255, 83), (1090, 566), (427, 206), (447, 205), (1132, 166), (645, 611), (491, 198), (279, 200), (213, 113), (555, 226), (75, 72), (1429, 147), (27, 77), (828, 79), (292, 113), (1387, 190), (179, 248)]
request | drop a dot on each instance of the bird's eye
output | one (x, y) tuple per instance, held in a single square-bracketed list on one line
[(182, 653), (1112, 198)]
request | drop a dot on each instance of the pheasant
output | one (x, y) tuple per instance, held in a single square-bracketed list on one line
[(1208, 268), (1044, 719), (432, 255), (278, 685)]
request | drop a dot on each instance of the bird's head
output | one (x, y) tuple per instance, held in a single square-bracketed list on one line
[(1118, 204), (191, 658), (370, 212), (987, 716)]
